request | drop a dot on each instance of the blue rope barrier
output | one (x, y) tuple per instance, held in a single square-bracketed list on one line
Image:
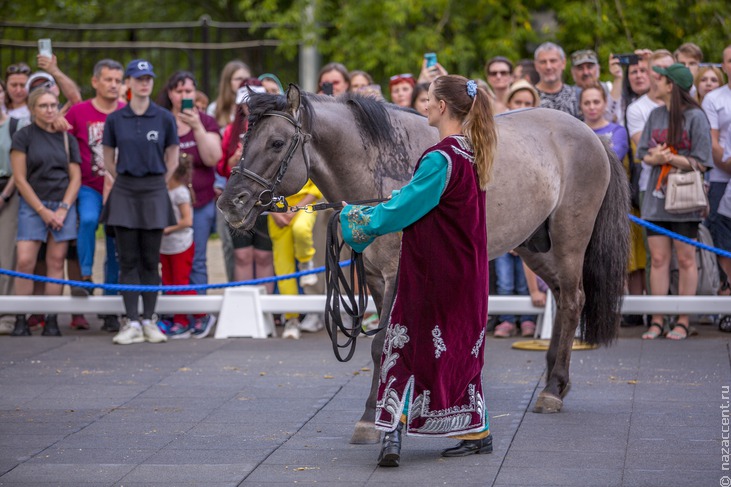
[(673, 235), (191, 287), (253, 282)]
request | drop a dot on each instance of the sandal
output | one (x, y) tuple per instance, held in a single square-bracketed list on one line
[(674, 335), (651, 335)]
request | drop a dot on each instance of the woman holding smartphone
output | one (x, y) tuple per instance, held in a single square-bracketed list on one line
[(200, 139), (137, 207)]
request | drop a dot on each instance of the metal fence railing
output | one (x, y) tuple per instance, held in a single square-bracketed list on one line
[(202, 47)]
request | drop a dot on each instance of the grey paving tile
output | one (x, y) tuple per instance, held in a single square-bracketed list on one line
[(71, 473), (304, 473), (614, 459), (41, 428), (587, 476), (28, 442), (586, 442), (672, 478), (91, 456), (171, 455), (198, 473)]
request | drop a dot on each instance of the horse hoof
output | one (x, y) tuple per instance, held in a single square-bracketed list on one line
[(365, 433), (547, 404), (566, 390)]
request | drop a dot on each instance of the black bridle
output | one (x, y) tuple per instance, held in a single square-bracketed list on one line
[(267, 198)]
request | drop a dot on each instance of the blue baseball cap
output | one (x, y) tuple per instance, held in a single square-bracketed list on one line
[(139, 68)]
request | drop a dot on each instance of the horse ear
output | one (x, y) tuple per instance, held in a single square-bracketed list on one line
[(293, 99)]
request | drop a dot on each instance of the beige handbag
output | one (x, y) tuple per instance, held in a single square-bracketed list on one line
[(685, 192)]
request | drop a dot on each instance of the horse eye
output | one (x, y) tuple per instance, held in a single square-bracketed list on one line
[(278, 144)]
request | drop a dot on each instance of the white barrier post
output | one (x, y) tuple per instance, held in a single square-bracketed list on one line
[(546, 319), (241, 314)]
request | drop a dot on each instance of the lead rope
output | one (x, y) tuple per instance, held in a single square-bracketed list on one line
[(340, 294)]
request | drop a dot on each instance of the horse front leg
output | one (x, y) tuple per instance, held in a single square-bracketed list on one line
[(568, 308), (365, 431), (382, 284)]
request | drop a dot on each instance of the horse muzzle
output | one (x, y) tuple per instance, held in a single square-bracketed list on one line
[(239, 210)]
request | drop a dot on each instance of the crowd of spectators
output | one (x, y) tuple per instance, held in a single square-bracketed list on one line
[(66, 167)]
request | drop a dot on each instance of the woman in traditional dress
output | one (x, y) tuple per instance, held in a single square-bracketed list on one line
[(430, 382)]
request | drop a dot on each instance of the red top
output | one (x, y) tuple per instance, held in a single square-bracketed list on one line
[(203, 176), (88, 126)]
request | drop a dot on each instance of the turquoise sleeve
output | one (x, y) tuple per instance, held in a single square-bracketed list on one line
[(362, 224)]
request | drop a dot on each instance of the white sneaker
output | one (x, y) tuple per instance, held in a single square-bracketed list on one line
[(128, 334), (291, 329), (152, 333), (309, 279), (312, 323)]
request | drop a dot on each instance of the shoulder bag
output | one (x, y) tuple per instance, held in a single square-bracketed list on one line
[(685, 192)]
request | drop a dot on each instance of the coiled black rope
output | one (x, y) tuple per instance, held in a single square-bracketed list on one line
[(341, 295)]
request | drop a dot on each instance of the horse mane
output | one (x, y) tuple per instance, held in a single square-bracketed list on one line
[(371, 115)]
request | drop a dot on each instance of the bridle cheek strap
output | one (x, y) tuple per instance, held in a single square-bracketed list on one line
[(267, 198)]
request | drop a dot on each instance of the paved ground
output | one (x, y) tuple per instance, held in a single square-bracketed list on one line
[(78, 410)]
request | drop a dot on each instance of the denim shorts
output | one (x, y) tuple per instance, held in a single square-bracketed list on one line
[(32, 227)]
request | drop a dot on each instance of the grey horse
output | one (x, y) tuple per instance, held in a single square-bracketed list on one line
[(559, 197)]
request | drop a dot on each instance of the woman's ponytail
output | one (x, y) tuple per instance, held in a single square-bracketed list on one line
[(479, 127)]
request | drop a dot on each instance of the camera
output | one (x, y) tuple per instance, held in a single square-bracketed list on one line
[(44, 48), (327, 88), (627, 59), (187, 104)]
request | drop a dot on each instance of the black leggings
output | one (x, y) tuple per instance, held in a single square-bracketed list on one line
[(139, 261)]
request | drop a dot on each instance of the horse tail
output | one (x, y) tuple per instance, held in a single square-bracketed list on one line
[(605, 261)]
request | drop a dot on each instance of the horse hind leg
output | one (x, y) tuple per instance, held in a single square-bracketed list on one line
[(569, 302)]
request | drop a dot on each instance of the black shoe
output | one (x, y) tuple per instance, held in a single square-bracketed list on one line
[(79, 292), (111, 323), (51, 327), (633, 320), (21, 327), (469, 447), (391, 448)]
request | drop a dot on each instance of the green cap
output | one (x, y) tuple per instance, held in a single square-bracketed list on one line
[(678, 74)]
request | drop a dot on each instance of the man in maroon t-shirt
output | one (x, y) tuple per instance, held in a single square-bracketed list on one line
[(87, 125)]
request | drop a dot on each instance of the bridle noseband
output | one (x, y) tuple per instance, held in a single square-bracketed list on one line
[(267, 198)]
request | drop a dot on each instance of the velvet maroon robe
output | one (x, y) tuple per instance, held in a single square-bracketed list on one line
[(435, 338)]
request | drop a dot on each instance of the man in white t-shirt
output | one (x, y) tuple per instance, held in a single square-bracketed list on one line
[(717, 105), (639, 110)]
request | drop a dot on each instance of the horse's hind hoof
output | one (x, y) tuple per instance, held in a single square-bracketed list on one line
[(547, 404), (365, 433)]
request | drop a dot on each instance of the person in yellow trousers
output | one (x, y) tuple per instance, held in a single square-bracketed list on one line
[(291, 235)]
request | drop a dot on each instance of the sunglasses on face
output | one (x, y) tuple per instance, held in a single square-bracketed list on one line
[(20, 68), (498, 73)]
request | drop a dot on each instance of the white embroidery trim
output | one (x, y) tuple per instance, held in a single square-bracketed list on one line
[(439, 345), (476, 348)]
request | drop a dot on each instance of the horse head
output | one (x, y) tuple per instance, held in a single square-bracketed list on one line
[(275, 161)]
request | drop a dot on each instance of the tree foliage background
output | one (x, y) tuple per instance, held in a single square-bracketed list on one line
[(386, 37)]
